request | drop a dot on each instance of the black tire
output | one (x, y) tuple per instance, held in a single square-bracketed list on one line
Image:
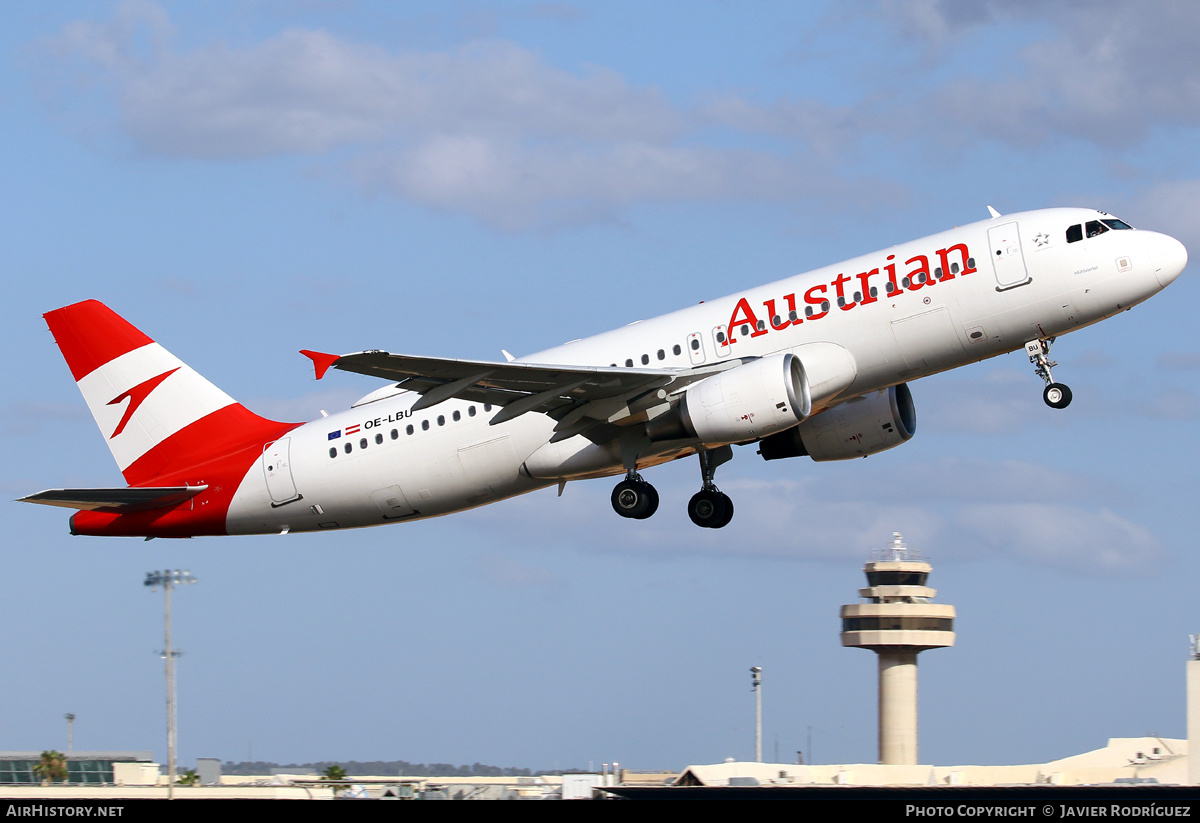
[(724, 521), (709, 508), (1057, 396), (651, 501), (631, 499)]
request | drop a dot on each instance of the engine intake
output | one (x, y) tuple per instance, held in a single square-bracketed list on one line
[(865, 425)]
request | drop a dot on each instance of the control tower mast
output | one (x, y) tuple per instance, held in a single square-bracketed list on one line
[(897, 621)]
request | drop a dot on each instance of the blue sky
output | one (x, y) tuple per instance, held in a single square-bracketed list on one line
[(245, 179)]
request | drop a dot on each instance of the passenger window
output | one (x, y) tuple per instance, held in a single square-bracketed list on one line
[(662, 355), (676, 349), (333, 452), (487, 407), (629, 363), (349, 448), (695, 344), (720, 337), (395, 434), (1075, 233), (379, 440), (424, 425), (470, 411), (408, 429), (362, 444), (645, 359), (441, 419), (457, 415)]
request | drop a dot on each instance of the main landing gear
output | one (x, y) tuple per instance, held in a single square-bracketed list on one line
[(709, 508), (634, 497), (1056, 395)]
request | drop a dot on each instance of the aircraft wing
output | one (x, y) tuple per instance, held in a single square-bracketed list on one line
[(119, 501), (572, 394)]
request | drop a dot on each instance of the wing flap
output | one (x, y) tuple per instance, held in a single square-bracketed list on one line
[(116, 501)]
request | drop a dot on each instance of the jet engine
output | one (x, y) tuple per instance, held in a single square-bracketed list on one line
[(746, 403), (865, 425)]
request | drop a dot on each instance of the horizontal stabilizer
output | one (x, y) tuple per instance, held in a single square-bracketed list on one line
[(116, 501)]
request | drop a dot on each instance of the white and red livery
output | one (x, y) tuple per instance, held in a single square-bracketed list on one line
[(815, 365)]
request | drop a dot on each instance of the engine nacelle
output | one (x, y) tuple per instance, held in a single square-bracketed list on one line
[(865, 425), (748, 402)]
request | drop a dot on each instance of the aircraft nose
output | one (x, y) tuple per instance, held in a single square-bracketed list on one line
[(1169, 258)]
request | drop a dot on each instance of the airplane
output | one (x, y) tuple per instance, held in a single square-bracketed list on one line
[(814, 365)]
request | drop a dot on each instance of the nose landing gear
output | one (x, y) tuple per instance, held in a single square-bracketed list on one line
[(1056, 395)]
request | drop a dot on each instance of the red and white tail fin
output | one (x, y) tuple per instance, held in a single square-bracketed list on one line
[(156, 413)]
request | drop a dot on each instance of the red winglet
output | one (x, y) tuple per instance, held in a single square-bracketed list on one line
[(321, 361)]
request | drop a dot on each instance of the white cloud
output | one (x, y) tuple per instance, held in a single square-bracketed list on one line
[(494, 130), (489, 128), (951, 509), (1107, 73), (1072, 538)]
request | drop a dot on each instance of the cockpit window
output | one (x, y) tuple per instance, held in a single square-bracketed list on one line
[(1114, 223), (1075, 233), (1095, 228)]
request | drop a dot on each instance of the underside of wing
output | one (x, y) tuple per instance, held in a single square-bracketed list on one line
[(117, 501)]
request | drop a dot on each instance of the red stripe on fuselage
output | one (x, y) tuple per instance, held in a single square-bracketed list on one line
[(90, 334), (235, 435)]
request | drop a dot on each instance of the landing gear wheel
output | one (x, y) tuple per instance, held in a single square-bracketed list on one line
[(710, 509), (652, 501), (634, 498), (724, 521), (1057, 396)]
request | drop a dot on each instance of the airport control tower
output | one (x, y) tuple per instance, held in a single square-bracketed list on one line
[(897, 621)]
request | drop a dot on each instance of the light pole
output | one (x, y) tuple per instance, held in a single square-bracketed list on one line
[(70, 718), (756, 687), (169, 579)]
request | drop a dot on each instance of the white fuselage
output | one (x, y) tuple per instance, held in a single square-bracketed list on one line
[(1006, 281)]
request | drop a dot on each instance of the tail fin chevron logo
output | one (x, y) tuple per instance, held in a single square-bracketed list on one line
[(135, 396)]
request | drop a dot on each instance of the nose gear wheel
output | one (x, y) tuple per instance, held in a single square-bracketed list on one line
[(1056, 395)]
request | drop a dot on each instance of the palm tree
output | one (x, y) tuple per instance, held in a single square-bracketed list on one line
[(52, 767), (335, 773), (189, 778)]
